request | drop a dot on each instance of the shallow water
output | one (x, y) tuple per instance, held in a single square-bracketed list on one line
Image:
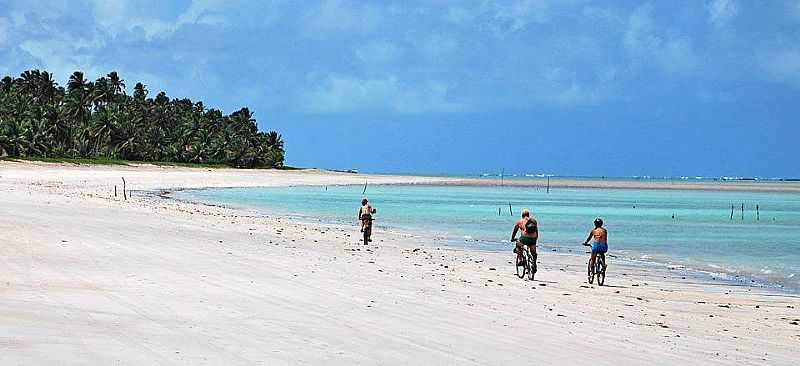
[(640, 222)]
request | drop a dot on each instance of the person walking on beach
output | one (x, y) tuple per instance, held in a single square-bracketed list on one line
[(365, 213), (599, 237), (529, 230)]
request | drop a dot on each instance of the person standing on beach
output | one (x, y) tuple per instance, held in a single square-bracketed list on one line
[(599, 237), (365, 213), (528, 227)]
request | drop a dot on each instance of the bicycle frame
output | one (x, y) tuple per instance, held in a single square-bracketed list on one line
[(596, 270), (527, 259)]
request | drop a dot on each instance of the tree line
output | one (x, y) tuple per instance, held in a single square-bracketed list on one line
[(99, 120)]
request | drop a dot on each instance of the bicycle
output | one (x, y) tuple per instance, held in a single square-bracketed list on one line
[(367, 230), (597, 270), (528, 263)]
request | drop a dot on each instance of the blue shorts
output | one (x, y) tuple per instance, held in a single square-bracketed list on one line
[(599, 247)]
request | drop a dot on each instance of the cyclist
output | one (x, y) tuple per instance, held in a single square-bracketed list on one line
[(529, 229), (365, 213), (599, 237)]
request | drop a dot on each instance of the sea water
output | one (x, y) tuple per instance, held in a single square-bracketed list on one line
[(690, 229)]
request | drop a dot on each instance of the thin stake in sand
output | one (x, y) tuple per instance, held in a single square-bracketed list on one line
[(124, 189)]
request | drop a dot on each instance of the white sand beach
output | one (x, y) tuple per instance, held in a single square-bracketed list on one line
[(87, 278)]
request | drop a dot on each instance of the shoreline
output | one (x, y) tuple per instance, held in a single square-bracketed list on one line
[(765, 186), (95, 279), (683, 268), (680, 271)]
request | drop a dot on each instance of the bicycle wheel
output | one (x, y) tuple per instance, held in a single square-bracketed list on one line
[(521, 267), (601, 274), (590, 272), (367, 234), (531, 266)]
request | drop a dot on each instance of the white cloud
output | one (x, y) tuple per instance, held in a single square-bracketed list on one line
[(339, 16), (721, 12), (117, 16), (707, 95), (410, 57), (438, 47), (575, 94), (59, 56), (562, 87), (793, 9), (4, 29), (336, 94), (639, 34), (202, 12), (517, 15), (500, 17), (458, 15), (646, 43), (678, 55), (782, 65), (378, 52)]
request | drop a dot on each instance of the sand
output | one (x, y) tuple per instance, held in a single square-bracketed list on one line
[(87, 278)]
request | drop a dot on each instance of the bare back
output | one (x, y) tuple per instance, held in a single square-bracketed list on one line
[(366, 210), (600, 235), (520, 225)]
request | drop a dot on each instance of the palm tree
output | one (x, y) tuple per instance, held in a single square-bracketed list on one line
[(78, 107), (103, 124), (90, 119), (274, 140), (5, 84), (13, 139), (115, 85), (48, 87)]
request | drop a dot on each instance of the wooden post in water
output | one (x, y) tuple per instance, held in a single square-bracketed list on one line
[(742, 211), (731, 211), (509, 209), (548, 184), (758, 213), (498, 211)]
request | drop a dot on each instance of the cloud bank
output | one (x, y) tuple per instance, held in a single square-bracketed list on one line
[(415, 57)]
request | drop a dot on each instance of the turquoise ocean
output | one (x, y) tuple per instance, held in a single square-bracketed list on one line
[(688, 229)]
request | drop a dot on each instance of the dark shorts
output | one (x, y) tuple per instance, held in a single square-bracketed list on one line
[(531, 243)]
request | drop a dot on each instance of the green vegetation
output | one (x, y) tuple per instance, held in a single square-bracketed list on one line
[(105, 161), (98, 123), (67, 160)]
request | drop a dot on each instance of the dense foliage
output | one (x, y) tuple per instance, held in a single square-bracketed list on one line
[(39, 118)]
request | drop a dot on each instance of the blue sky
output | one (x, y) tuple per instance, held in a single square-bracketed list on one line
[(567, 87)]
